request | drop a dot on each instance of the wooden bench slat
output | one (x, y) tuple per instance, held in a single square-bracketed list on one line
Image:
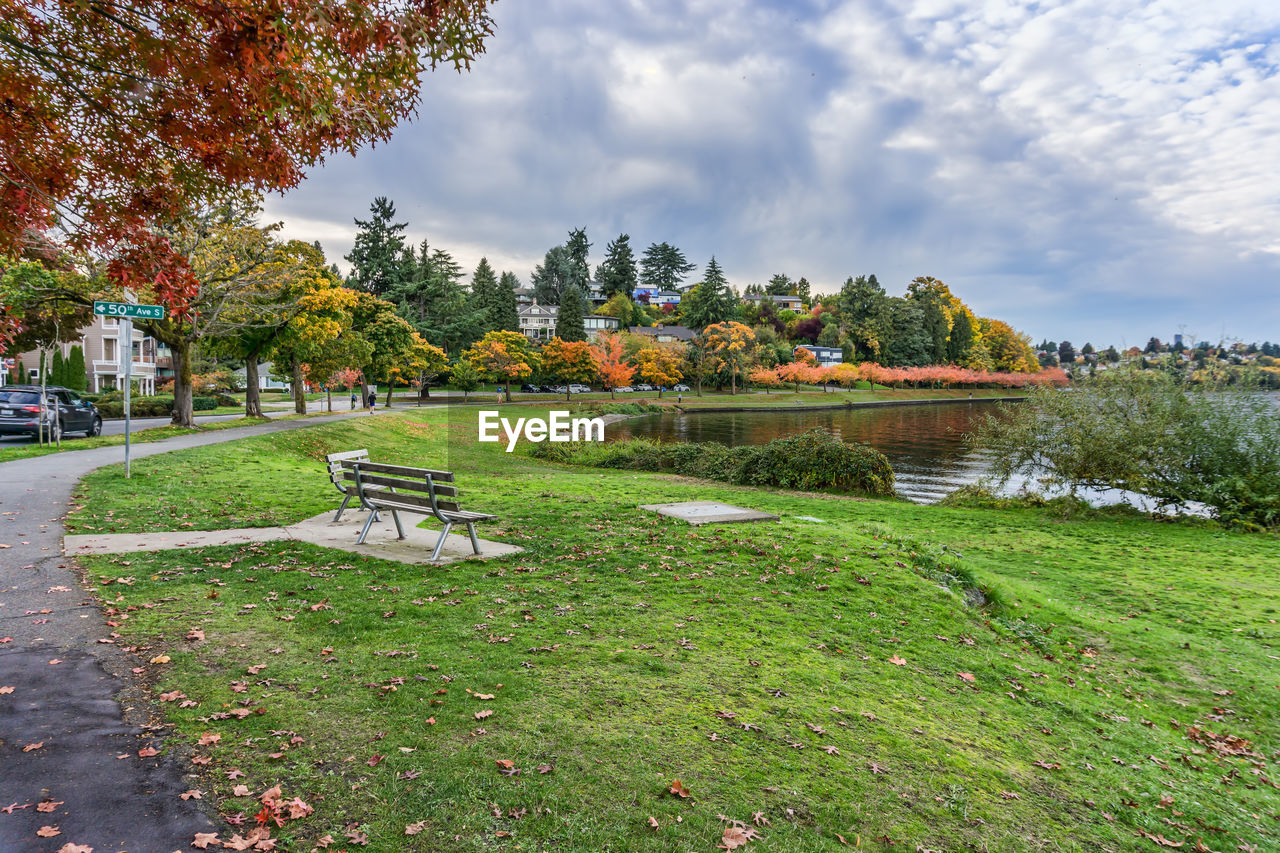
[(402, 470), (410, 503), (400, 483)]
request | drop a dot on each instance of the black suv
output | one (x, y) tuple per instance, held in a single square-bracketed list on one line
[(66, 412)]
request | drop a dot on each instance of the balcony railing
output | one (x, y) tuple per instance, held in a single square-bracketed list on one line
[(139, 368)]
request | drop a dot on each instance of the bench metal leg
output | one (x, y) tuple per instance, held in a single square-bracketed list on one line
[(395, 515), (435, 555), (342, 507), (475, 543), (373, 516)]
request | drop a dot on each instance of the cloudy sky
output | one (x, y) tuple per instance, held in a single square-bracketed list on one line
[(1095, 170)]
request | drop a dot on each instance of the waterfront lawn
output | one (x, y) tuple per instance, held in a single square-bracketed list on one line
[(813, 681)]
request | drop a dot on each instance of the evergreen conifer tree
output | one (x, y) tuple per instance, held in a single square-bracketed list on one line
[(569, 325)]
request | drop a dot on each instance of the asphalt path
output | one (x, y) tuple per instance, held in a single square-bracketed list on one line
[(75, 696)]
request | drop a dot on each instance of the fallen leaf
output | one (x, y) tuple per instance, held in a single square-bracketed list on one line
[(653, 821), (967, 676), (209, 738), (897, 661), (147, 752), (374, 760), (75, 848), (156, 659), (544, 768), (32, 747), (7, 688), (48, 831), (876, 767), (192, 794), (240, 791), (678, 788), (480, 715), (49, 805), (415, 827)]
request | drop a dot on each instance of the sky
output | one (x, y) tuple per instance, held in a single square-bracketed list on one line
[(1089, 170)]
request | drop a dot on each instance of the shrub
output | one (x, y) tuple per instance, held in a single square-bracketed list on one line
[(811, 460), (201, 404), (226, 400)]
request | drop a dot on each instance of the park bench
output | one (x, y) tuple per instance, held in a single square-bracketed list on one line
[(399, 488), (340, 476)]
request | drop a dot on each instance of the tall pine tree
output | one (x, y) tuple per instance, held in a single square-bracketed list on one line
[(557, 271), (663, 266), (711, 301), (484, 293), (578, 247), (77, 377), (569, 325), (617, 274), (506, 317), (377, 256)]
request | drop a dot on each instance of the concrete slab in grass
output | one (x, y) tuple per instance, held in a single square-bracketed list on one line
[(321, 530), (708, 512)]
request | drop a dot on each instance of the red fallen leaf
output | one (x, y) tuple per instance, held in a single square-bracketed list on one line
[(48, 831), (172, 696), (32, 747), (6, 688), (235, 773), (195, 634), (1010, 795), (897, 661), (736, 836), (505, 763), (678, 788), (271, 796), (875, 767), (204, 839), (9, 808), (375, 760), (297, 808), (431, 721), (147, 752), (257, 668), (544, 768), (49, 805), (209, 738), (55, 662), (4, 640), (967, 676)]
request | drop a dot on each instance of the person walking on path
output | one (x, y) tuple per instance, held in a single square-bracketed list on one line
[(353, 400), (373, 401)]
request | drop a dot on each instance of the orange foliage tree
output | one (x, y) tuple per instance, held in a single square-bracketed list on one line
[(610, 366), (659, 366), (765, 377), (568, 361), (730, 346), (504, 357), (117, 116)]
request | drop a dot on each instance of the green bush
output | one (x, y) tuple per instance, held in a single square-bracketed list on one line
[(203, 404), (226, 400), (811, 460), (111, 409)]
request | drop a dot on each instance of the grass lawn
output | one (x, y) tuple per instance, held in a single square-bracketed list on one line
[(9, 452), (825, 685)]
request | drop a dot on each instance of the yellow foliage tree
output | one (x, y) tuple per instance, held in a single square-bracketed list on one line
[(730, 346), (504, 357)]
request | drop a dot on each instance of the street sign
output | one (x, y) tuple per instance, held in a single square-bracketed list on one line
[(128, 309)]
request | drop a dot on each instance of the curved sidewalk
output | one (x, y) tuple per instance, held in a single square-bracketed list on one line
[(73, 695)]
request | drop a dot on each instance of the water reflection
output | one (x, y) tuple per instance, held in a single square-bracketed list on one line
[(925, 444)]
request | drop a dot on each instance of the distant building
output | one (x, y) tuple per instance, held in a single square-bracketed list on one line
[(538, 322), (826, 356), (102, 348), (656, 297), (788, 302), (665, 334), (265, 381), (1177, 341)]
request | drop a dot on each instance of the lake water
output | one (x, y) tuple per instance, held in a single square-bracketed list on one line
[(925, 444)]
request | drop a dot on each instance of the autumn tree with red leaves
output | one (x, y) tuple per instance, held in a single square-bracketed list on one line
[(118, 117), (611, 367)]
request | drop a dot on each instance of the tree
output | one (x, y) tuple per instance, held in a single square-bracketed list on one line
[(864, 314), (730, 347), (465, 377), (504, 357), (1066, 353), (711, 301), (659, 366), (577, 246), (432, 298), (780, 284), (910, 344), (484, 294), (1009, 350), (123, 115), (58, 370), (569, 325), (936, 302), (505, 315), (611, 366), (617, 274), (960, 342), (77, 377), (557, 271), (663, 266), (377, 258), (569, 361), (1153, 346), (620, 306)]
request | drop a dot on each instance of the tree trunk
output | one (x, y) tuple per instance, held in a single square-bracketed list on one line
[(299, 387), (328, 398), (391, 387), (506, 389), (183, 414), (252, 398)]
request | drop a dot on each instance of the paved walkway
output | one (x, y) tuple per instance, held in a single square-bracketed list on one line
[(382, 542), (72, 694)]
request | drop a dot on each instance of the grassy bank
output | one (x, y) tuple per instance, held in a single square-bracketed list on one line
[(814, 681)]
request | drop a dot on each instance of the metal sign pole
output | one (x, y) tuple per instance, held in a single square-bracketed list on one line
[(126, 360)]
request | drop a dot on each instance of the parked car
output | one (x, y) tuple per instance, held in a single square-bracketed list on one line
[(644, 387), (531, 389), (579, 389), (556, 389), (682, 388), (66, 411), (624, 389)]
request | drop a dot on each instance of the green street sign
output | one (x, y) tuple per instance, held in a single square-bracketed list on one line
[(126, 309)]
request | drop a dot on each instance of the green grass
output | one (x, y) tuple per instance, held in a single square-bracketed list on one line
[(620, 643)]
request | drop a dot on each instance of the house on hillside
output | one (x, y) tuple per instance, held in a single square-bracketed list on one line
[(665, 334), (103, 348), (826, 356), (786, 301), (538, 322)]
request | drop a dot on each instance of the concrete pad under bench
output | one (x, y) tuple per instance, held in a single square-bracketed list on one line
[(321, 530), (708, 512)]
